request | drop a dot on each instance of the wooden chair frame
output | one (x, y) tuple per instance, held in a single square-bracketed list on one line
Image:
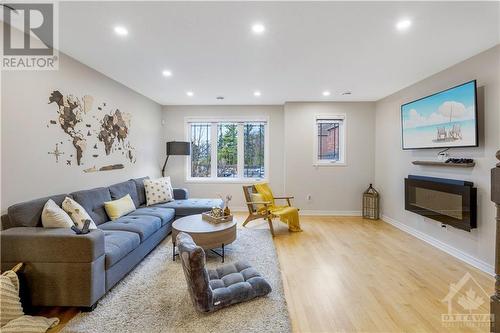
[(254, 214)]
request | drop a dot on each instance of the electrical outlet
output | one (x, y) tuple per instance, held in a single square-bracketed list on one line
[(309, 197)]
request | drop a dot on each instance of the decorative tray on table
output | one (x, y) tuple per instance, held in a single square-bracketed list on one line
[(212, 219)]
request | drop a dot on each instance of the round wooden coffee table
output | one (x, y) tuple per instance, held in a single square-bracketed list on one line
[(207, 235)]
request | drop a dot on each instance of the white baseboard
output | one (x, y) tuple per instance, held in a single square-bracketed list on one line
[(465, 257)]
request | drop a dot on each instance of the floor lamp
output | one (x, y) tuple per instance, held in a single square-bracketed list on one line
[(176, 148)]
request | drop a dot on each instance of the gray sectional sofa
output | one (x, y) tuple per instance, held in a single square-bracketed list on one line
[(66, 269)]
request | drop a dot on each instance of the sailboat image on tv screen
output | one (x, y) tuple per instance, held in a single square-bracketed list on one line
[(452, 134)]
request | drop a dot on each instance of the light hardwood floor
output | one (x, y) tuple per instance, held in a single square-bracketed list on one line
[(346, 274)]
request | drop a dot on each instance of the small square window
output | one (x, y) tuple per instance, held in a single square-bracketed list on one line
[(329, 140)]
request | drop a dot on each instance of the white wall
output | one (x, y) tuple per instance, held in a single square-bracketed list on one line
[(28, 171), (174, 129), (392, 164), (334, 189)]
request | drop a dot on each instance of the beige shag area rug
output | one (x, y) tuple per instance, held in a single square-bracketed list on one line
[(154, 297)]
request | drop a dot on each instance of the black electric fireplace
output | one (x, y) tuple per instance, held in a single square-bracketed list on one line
[(452, 202)]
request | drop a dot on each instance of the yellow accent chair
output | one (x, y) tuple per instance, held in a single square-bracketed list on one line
[(261, 205)]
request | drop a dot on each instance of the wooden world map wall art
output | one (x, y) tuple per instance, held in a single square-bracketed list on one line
[(90, 133)]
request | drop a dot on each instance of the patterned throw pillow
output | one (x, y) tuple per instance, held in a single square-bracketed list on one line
[(9, 300), (12, 318), (54, 216), (158, 190), (77, 213)]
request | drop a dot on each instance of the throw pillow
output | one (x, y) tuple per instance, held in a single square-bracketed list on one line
[(30, 324), (54, 216), (257, 197), (12, 318), (120, 207), (77, 213), (9, 300), (158, 190), (169, 186)]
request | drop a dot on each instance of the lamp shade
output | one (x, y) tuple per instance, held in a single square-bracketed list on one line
[(178, 148)]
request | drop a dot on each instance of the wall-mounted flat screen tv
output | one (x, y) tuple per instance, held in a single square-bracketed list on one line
[(443, 120)]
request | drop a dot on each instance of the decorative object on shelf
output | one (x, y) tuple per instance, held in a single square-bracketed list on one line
[(216, 212), (216, 218), (371, 204), (180, 148), (462, 164), (459, 160), (227, 211)]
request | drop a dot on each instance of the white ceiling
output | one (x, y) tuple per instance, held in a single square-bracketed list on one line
[(308, 47)]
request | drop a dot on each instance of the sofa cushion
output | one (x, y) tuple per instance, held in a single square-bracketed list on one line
[(93, 202), (236, 282), (29, 213), (120, 190), (144, 226), (117, 244), (212, 289), (165, 214), (191, 206), (141, 192)]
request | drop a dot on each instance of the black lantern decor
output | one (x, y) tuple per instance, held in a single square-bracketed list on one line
[(371, 204)]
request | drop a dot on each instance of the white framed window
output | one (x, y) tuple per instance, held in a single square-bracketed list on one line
[(329, 140), (227, 149)]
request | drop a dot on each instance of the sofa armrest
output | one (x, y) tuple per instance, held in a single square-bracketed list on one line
[(50, 245), (180, 194)]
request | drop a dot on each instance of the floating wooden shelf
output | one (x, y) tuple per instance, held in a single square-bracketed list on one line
[(438, 163)]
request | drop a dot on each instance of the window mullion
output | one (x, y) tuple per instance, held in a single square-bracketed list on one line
[(213, 150), (241, 153)]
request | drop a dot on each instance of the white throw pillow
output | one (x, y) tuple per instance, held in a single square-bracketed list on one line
[(77, 213), (158, 190), (54, 216)]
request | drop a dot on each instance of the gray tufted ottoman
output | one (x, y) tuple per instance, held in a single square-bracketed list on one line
[(211, 290)]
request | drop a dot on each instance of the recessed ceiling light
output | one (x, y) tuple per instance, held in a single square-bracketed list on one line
[(258, 28), (167, 73), (257, 93), (326, 93), (190, 93), (121, 30), (403, 25)]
